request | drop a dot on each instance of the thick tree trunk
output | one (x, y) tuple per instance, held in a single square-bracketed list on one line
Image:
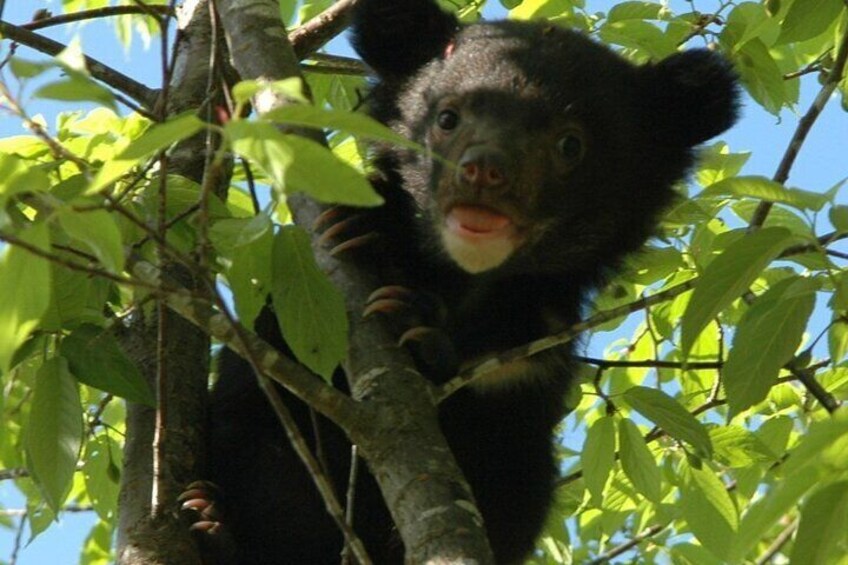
[(148, 534)]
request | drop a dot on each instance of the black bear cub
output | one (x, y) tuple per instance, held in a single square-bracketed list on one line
[(549, 159)]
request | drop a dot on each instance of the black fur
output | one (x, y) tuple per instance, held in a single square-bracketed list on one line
[(571, 147)]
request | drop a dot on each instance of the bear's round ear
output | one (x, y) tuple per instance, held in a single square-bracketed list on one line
[(397, 37), (690, 97)]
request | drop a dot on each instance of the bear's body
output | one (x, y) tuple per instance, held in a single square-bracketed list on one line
[(564, 156)]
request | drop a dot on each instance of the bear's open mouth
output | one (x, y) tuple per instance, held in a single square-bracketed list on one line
[(479, 222)]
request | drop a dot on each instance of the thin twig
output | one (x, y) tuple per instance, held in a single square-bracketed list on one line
[(97, 13), (784, 536), (655, 363), (312, 35), (104, 73), (804, 126), (628, 545), (482, 367)]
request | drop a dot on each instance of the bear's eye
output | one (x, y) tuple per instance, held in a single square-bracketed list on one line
[(571, 146), (447, 120)]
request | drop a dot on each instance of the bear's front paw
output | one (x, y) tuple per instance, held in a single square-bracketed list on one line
[(416, 318), (348, 231), (200, 504)]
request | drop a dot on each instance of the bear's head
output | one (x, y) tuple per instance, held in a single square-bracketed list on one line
[(547, 152)]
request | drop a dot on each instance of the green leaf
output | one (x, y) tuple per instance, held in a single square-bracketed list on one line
[(640, 35), (96, 359), (716, 163), (158, 138), (77, 87), (765, 189), (652, 264), (310, 310), (598, 456), (350, 122), (807, 19), (691, 554), (24, 292), (18, 175), (230, 234), (39, 516), (839, 218), (634, 10), (99, 233), (737, 447), (728, 276), (819, 455), (823, 533), (779, 216), (54, 431), (837, 340), (668, 414), (761, 75), (246, 243), (765, 340), (102, 473), (24, 69), (637, 461), (822, 451), (708, 509), (297, 164), (96, 549)]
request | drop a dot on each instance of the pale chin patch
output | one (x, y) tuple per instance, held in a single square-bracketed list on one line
[(477, 255)]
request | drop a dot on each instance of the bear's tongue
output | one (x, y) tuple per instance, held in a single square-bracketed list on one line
[(475, 220)]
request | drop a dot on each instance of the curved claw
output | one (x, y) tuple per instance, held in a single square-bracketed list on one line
[(328, 217), (391, 291), (354, 243), (339, 229), (207, 527), (416, 334), (384, 306), (198, 489)]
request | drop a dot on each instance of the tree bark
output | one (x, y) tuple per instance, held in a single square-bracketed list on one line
[(396, 426), (148, 534)]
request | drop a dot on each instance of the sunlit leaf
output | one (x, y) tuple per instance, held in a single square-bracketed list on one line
[(764, 189), (808, 18), (309, 308), (708, 509), (24, 291), (823, 533), (728, 276), (598, 455), (765, 340), (671, 416), (350, 122), (296, 164), (98, 232), (637, 461), (102, 472), (158, 138), (54, 430)]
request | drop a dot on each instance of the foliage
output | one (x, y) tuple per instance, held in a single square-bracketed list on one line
[(713, 431)]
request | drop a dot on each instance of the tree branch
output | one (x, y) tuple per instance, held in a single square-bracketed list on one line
[(312, 35), (804, 126), (482, 367), (134, 89), (628, 545), (105, 12)]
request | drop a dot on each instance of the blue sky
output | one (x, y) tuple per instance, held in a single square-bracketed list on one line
[(821, 164)]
